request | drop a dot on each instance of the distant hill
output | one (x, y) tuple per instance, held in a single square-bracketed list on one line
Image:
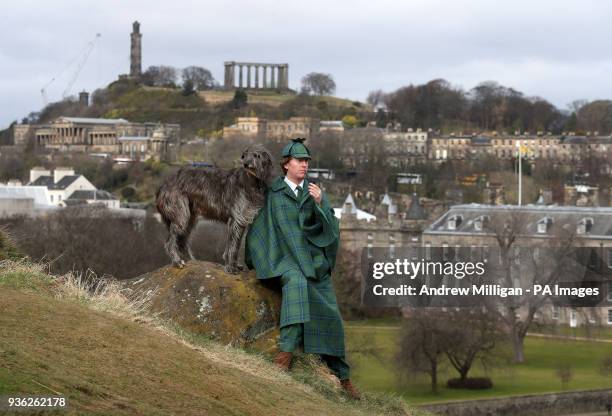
[(202, 113), (106, 357)]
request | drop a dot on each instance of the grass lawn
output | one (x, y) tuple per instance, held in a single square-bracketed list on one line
[(268, 97), (536, 375)]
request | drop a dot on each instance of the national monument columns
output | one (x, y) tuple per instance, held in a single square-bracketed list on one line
[(279, 75)]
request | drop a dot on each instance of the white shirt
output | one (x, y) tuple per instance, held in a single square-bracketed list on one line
[(294, 186)]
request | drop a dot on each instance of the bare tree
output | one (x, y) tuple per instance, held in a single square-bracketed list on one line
[(423, 341), (514, 265), (160, 76), (376, 98), (473, 335), (318, 83), (201, 78), (576, 105)]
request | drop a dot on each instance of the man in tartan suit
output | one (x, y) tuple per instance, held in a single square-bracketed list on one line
[(295, 238)]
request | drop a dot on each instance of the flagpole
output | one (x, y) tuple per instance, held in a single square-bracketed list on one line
[(520, 174)]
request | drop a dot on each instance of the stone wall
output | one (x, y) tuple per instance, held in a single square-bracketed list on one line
[(529, 405)]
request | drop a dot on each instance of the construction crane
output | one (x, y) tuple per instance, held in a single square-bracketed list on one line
[(81, 58)]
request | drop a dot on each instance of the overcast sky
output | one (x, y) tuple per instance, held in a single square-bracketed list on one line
[(559, 50)]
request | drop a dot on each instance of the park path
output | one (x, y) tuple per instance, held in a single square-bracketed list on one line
[(531, 334), (567, 337)]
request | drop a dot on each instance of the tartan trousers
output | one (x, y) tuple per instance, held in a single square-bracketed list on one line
[(310, 317)]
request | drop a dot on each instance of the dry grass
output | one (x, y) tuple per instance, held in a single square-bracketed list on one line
[(84, 337)]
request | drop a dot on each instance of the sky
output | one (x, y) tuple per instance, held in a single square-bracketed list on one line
[(558, 50)]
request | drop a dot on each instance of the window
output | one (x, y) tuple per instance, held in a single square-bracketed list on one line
[(609, 291), (454, 221), (609, 316), (610, 258), (370, 239), (391, 245), (427, 251), (584, 226), (544, 224), (51, 198), (555, 312)]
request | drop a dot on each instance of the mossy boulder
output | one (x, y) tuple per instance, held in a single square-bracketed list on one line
[(201, 298)]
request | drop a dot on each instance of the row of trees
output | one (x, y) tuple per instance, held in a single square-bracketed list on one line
[(167, 76), (488, 106)]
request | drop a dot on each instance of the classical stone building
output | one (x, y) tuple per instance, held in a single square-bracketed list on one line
[(117, 137), (253, 75), (273, 129), (404, 149), (538, 227), (568, 149)]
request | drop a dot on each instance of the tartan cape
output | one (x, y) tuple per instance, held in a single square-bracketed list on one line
[(283, 233), (297, 240)]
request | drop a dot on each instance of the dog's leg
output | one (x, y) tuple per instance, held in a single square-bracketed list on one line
[(172, 246), (183, 240), (235, 232)]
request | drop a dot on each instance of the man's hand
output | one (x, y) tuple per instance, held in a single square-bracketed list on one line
[(315, 192)]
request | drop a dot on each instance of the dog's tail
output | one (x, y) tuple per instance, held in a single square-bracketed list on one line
[(162, 203)]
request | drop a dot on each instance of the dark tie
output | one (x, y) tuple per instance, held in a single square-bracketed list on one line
[(300, 193)]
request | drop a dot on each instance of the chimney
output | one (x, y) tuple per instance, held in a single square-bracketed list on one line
[(59, 173), (84, 99), (37, 172)]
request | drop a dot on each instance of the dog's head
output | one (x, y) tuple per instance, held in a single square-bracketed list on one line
[(257, 161)]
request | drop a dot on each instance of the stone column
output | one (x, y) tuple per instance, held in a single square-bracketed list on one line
[(229, 75), (281, 76), (240, 76), (248, 76), (265, 76), (285, 77), (256, 76)]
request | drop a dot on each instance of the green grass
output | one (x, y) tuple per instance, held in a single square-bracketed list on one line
[(536, 375)]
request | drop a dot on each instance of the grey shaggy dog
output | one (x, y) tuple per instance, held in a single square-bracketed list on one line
[(231, 196)]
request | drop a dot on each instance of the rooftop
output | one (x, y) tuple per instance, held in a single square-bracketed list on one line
[(86, 120)]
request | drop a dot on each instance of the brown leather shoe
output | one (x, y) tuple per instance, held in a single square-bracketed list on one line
[(283, 360), (350, 389)]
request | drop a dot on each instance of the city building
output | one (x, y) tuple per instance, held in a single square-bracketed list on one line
[(117, 137), (536, 227)]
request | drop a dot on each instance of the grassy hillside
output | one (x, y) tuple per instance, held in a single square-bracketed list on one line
[(267, 97), (107, 357)]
